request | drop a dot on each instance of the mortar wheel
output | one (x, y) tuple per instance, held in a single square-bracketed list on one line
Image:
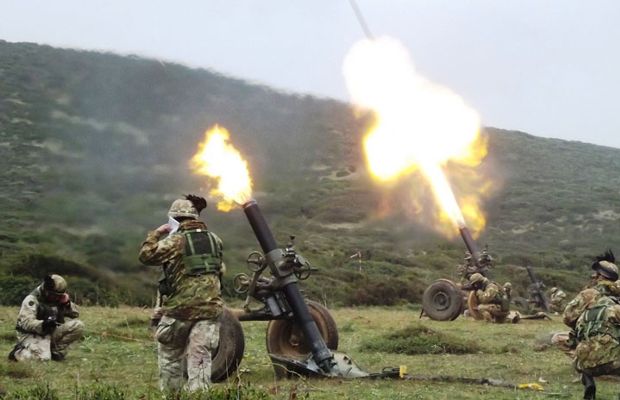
[(472, 306), (285, 337), (442, 300), (227, 356)]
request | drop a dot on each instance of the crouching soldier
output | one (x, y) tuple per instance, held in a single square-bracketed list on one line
[(492, 301), (598, 338), (47, 323)]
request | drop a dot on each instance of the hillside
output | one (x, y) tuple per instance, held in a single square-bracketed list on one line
[(94, 147)]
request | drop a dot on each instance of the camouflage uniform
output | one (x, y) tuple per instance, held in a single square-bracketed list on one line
[(598, 333), (188, 330), (587, 298), (492, 303), (557, 300), (32, 341)]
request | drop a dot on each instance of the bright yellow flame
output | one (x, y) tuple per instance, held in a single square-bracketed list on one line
[(420, 126), (218, 159)]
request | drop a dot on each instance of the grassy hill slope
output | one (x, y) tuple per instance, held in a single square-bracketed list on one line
[(94, 147)]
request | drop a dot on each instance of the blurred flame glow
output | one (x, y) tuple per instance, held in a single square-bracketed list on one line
[(218, 159), (419, 125)]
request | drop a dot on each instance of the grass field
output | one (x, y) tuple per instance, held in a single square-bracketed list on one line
[(119, 354)]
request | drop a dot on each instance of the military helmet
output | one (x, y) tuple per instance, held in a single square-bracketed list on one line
[(182, 208), (606, 269), (507, 285), (55, 284), (477, 278), (553, 289)]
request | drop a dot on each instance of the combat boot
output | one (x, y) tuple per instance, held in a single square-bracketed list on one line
[(17, 347), (589, 392), (58, 356)]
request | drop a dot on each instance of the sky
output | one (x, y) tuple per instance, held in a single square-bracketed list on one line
[(546, 67)]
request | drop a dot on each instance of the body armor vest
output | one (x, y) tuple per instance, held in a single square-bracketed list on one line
[(202, 253)]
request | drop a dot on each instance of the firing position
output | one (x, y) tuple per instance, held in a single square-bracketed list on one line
[(47, 323), (493, 303), (191, 302)]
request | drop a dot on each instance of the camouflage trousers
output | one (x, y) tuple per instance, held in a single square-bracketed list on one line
[(37, 347), (185, 348), (492, 313), (598, 355)]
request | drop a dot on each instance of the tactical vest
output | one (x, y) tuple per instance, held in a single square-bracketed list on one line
[(202, 253), (594, 323)]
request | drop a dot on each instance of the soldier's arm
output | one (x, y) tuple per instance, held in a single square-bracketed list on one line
[(27, 319), (614, 314), (155, 251), (572, 312)]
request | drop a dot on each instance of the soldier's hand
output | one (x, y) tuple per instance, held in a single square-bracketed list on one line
[(64, 299), (49, 325), (165, 228)]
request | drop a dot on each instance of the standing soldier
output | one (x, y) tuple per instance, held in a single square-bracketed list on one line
[(43, 331), (191, 302), (492, 301), (598, 348), (557, 298)]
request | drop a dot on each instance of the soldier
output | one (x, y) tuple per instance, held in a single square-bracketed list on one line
[(191, 302), (508, 290), (43, 331), (557, 299), (492, 301), (598, 348), (604, 284)]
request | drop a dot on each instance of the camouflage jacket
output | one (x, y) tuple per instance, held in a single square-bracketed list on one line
[(587, 298), (558, 297), (35, 309), (598, 332), (492, 294), (192, 297)]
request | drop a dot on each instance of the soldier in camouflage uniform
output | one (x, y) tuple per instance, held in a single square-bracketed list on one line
[(598, 348), (605, 283), (557, 300), (492, 301), (47, 323), (191, 301)]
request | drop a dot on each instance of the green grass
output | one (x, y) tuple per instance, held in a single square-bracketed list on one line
[(119, 355)]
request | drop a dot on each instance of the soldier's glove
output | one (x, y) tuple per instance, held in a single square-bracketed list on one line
[(49, 325)]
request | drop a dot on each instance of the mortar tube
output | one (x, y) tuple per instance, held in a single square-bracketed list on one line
[(470, 243), (320, 353)]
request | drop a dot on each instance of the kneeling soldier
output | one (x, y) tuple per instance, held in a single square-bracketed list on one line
[(492, 301), (43, 331)]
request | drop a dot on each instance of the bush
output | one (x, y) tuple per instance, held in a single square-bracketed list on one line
[(13, 289)]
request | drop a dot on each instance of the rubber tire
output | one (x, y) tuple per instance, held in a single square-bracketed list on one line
[(284, 337), (472, 305), (443, 291), (227, 357)]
